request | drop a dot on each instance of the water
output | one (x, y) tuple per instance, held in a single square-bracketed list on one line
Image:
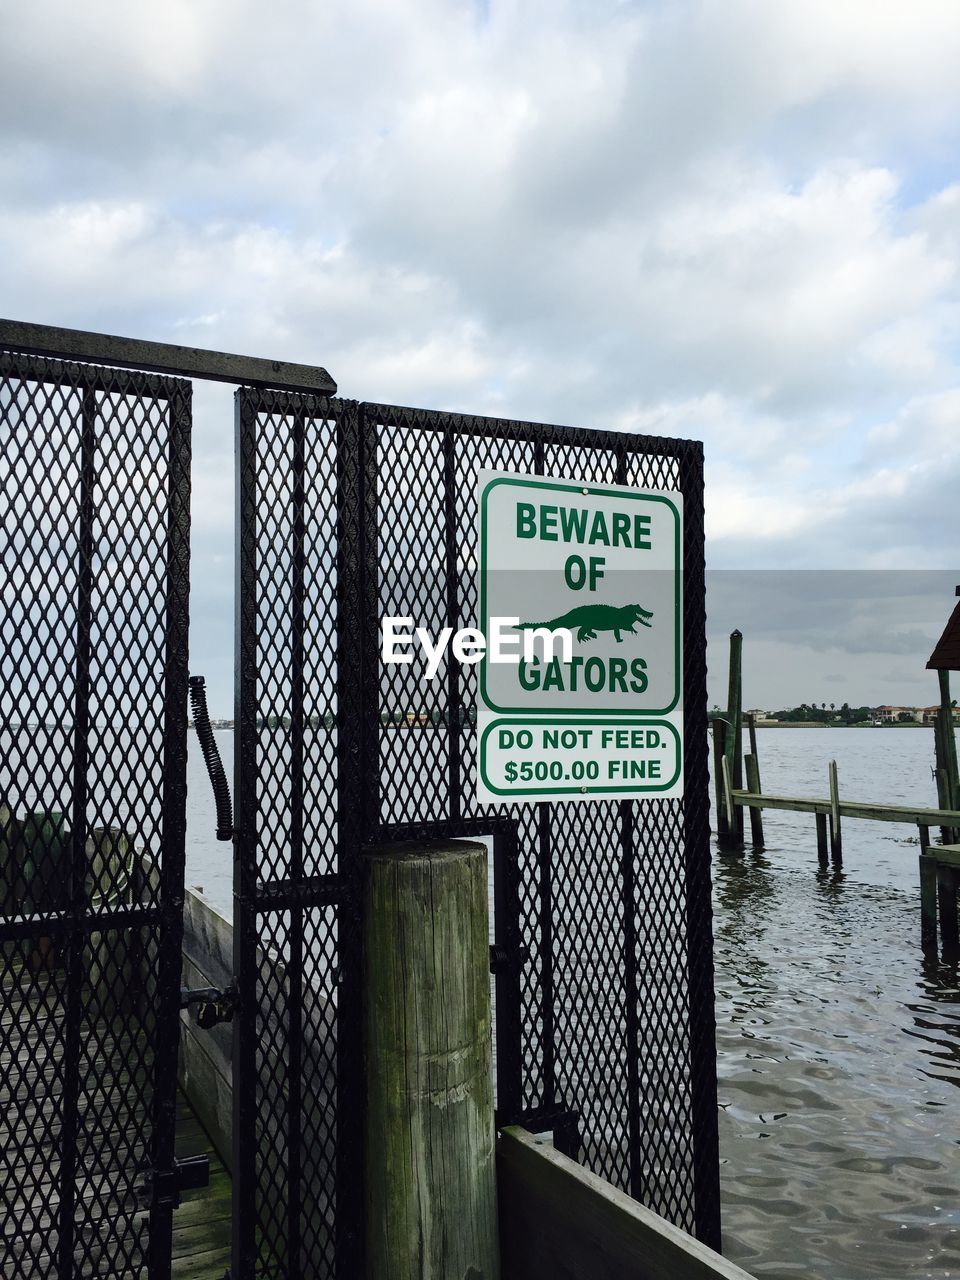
[(838, 1048)]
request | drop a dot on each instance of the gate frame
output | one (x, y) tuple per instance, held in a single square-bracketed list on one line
[(47, 362), (37, 353), (508, 957)]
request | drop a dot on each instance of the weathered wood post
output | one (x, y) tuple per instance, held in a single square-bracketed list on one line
[(946, 785), (752, 766), (949, 737), (947, 754), (821, 820), (923, 835), (718, 728), (928, 901), (728, 795), (944, 659), (430, 1173), (733, 738), (947, 907), (836, 843), (753, 784)]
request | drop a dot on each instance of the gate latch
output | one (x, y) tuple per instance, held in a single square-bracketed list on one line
[(213, 1005), (164, 1186)]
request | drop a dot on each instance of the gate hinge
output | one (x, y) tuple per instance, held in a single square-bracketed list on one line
[(503, 959), (213, 1005), (164, 1186)]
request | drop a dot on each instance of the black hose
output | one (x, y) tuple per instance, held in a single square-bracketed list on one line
[(211, 757)]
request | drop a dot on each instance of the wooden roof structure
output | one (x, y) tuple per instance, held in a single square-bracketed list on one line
[(946, 653)]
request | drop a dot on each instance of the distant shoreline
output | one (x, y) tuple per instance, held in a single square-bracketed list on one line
[(820, 724)]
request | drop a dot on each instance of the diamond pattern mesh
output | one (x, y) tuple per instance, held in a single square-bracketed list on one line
[(604, 999), (289, 804), (612, 988), (604, 1002), (94, 487)]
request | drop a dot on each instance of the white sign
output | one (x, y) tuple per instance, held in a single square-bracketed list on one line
[(598, 567)]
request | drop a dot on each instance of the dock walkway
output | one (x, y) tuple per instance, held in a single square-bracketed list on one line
[(112, 1232)]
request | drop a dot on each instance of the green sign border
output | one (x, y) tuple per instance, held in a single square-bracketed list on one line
[(579, 788), (533, 482)]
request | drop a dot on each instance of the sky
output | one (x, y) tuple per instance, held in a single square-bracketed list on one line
[(732, 220)]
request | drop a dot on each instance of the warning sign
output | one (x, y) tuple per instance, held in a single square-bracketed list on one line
[(580, 601)]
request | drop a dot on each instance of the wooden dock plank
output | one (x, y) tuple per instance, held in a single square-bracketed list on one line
[(111, 1154), (849, 809)]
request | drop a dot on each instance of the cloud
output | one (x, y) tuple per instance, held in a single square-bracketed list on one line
[(804, 628), (725, 219)]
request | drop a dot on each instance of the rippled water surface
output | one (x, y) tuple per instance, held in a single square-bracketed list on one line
[(838, 1049)]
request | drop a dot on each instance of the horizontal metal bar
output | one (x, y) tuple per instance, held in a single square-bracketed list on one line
[(18, 928), (452, 829), (849, 809), (312, 405), (313, 891), (468, 424), (162, 357)]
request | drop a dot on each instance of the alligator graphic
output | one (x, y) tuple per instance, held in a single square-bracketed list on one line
[(588, 619)]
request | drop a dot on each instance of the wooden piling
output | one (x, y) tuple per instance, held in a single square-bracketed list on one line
[(836, 843), (928, 902), (943, 792), (756, 813), (752, 766), (752, 732), (429, 1144), (948, 751), (950, 739), (733, 744), (718, 729), (947, 907), (728, 795), (821, 819), (942, 771)]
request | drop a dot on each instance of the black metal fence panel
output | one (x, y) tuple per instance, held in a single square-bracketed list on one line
[(296, 1124), (602, 931), (94, 582), (604, 986)]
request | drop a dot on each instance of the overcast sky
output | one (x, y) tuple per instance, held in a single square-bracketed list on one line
[(734, 220)]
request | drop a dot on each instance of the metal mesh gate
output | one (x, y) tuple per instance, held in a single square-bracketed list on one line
[(94, 546), (296, 1121), (603, 948), (604, 987)]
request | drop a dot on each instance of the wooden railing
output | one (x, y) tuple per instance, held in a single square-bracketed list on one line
[(559, 1221)]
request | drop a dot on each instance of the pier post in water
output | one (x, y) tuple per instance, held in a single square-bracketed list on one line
[(752, 766), (948, 754), (821, 819), (718, 728), (836, 843), (928, 901), (753, 784), (733, 742), (429, 1137), (949, 737)]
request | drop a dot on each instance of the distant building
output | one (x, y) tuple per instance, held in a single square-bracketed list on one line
[(928, 714), (886, 715)]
